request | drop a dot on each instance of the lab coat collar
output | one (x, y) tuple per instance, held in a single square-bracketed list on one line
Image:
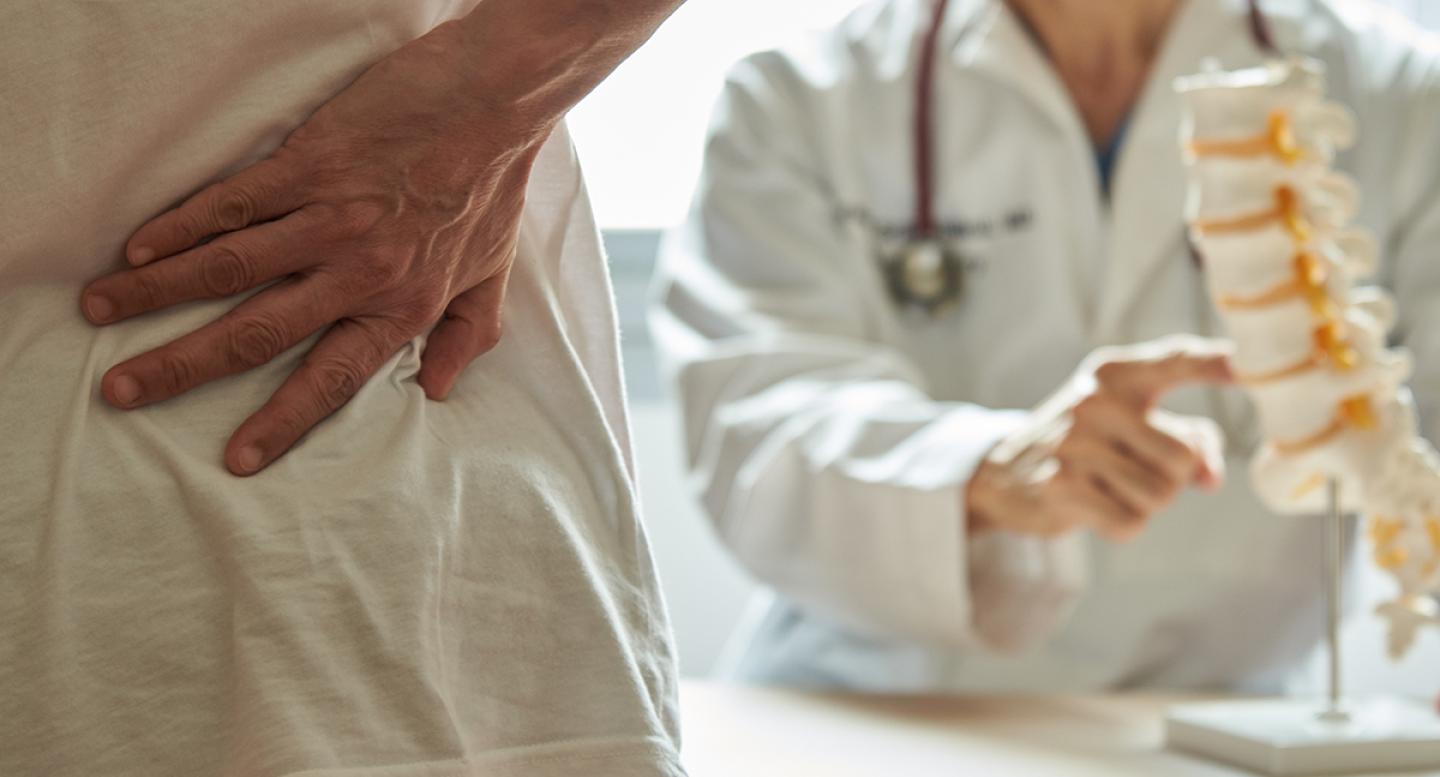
[(989, 40)]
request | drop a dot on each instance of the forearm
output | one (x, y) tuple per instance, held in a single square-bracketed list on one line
[(836, 480), (535, 59), (851, 508)]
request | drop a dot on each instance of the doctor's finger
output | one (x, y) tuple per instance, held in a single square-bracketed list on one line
[(1138, 487), (1142, 382), (266, 190), (1171, 454), (223, 267), (1129, 429), (334, 370), (1204, 437), (256, 331)]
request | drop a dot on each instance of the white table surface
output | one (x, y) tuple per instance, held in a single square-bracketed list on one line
[(755, 732)]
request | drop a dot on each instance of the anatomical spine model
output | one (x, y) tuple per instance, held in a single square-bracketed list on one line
[(1270, 219)]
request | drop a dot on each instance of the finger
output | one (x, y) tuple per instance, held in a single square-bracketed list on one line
[(1169, 456), (471, 327), (1165, 365), (259, 329), (221, 268), (1079, 495), (265, 190), (337, 367), (1138, 487), (1121, 525), (1205, 438)]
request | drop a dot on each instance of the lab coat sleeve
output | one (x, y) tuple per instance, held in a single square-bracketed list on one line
[(826, 467)]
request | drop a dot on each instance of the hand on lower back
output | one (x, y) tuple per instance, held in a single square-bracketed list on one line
[(394, 207), (1098, 454)]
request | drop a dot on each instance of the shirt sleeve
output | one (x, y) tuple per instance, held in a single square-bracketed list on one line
[(816, 447)]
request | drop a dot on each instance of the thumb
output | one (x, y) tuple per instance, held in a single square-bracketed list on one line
[(470, 327)]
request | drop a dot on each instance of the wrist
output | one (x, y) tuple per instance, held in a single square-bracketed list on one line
[(533, 60), (978, 500), (518, 57)]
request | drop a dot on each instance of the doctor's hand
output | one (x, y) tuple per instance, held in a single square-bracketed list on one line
[(394, 207), (1098, 453)]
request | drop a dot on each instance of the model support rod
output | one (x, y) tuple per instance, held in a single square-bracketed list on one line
[(1334, 563)]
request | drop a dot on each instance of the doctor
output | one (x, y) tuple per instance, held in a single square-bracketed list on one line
[(922, 314)]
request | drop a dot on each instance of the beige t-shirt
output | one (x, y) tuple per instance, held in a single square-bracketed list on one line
[(419, 588)]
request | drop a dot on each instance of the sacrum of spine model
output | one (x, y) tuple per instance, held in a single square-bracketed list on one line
[(1270, 218)]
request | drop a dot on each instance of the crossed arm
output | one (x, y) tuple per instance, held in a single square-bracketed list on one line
[(393, 209)]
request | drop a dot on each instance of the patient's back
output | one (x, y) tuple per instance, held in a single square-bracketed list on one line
[(418, 587)]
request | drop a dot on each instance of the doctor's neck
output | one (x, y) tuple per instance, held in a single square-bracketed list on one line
[(1102, 52)]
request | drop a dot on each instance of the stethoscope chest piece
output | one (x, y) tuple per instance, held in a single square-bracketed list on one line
[(924, 275)]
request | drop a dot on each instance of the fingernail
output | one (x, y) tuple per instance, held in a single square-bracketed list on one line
[(141, 255), (248, 459), (98, 308), (126, 390)]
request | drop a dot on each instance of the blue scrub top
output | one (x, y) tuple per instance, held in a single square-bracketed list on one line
[(1106, 155)]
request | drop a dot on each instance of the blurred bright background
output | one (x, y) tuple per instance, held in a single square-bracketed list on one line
[(640, 137)]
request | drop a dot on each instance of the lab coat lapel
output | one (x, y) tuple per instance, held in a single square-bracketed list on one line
[(999, 48), (1148, 190)]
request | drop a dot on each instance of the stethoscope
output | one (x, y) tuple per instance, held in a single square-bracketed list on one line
[(925, 273)]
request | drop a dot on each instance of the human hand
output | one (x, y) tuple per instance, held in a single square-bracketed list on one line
[(396, 205), (1098, 454)]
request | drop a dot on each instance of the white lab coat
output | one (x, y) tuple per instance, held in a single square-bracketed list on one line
[(830, 434)]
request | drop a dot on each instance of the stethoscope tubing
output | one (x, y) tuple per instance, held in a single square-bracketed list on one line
[(925, 221)]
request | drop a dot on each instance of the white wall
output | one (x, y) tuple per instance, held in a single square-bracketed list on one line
[(640, 160)]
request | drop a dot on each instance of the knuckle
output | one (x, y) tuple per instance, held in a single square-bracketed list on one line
[(377, 270), (233, 208), (336, 381), (420, 312), (357, 218), (147, 290), (289, 422), (226, 272), (176, 372), (255, 340), (489, 337), (1108, 372)]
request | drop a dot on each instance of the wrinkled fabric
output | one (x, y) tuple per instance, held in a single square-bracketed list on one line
[(418, 588)]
